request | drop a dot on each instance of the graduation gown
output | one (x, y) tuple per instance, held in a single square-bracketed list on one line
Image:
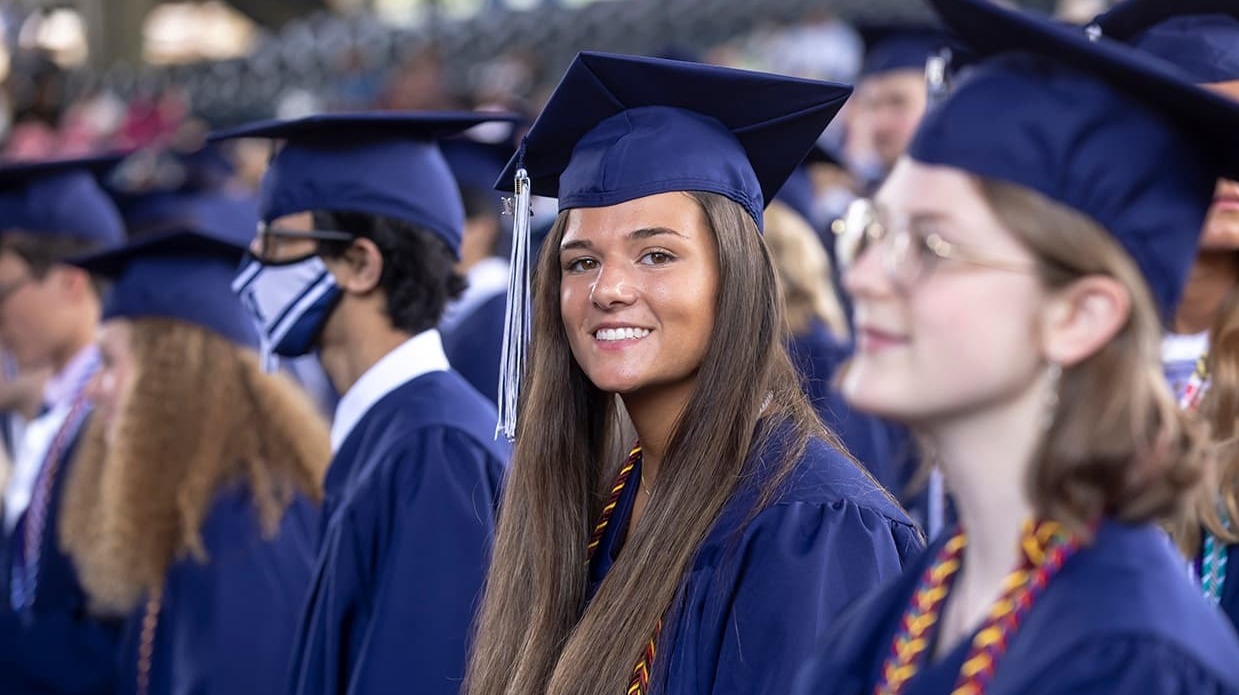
[(474, 345), (762, 589), (1120, 618), (410, 514), (886, 449), (59, 647), (227, 626)]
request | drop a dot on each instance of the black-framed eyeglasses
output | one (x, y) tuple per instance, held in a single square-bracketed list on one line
[(906, 255), (269, 237)]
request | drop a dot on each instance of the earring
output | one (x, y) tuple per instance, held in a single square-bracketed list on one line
[(1054, 374)]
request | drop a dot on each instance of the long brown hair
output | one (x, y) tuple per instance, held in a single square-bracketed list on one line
[(535, 633), (1118, 445), (201, 414)]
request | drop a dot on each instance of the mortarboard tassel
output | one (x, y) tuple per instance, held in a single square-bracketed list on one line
[(517, 316)]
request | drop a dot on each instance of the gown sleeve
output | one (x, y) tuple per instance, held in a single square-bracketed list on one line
[(801, 565), (401, 579)]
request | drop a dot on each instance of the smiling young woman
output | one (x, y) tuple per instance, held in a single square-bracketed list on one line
[(735, 531), (1010, 282)]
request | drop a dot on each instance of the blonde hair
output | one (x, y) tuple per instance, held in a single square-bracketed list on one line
[(804, 271), (201, 414), (1219, 498)]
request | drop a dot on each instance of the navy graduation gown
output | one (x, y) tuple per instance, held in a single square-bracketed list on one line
[(474, 346), (60, 647), (1121, 618), (762, 589), (885, 448), (410, 510), (227, 626)]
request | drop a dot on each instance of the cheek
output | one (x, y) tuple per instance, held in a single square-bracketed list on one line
[(964, 349)]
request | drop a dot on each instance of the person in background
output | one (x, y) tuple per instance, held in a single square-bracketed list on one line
[(1201, 352), (191, 510), (49, 314), (355, 259), (1011, 280), (890, 98)]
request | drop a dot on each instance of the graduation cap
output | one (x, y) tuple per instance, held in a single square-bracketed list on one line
[(59, 198), (1094, 125), (185, 275), (618, 128), (1201, 37), (624, 127), (893, 48), (160, 191), (380, 163)]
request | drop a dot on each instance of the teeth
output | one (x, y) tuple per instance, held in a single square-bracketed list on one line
[(621, 333)]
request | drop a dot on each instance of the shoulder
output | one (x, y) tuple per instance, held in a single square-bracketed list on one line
[(1129, 587), (437, 407), (827, 477), (1125, 665)]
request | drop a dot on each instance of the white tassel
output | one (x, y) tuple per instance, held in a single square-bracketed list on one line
[(517, 318)]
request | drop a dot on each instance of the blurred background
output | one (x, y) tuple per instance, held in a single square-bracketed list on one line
[(81, 75)]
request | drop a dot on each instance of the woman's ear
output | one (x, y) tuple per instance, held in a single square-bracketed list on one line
[(360, 268), (1082, 317)]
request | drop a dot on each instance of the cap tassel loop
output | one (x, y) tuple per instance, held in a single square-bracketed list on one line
[(517, 318)]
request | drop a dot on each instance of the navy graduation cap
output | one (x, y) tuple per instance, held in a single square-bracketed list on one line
[(1201, 37), (59, 197), (890, 49), (624, 127), (184, 274), (381, 163), (1093, 124), (618, 128)]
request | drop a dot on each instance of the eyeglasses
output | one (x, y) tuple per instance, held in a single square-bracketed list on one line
[(269, 237), (906, 255)]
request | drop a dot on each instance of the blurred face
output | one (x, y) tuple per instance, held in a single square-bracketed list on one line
[(111, 385), (941, 335), (892, 104), (639, 282), (34, 320), (1221, 231)]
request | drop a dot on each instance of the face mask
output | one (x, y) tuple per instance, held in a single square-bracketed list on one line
[(290, 301)]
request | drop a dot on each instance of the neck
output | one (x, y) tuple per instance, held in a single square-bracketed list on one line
[(1212, 277), (655, 414), (353, 352), (985, 457), (72, 348)]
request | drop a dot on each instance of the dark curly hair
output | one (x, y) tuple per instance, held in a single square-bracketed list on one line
[(419, 274)]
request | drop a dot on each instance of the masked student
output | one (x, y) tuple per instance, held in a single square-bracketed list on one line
[(355, 261)]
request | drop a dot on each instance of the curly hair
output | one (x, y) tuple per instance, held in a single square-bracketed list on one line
[(419, 273), (201, 415)]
